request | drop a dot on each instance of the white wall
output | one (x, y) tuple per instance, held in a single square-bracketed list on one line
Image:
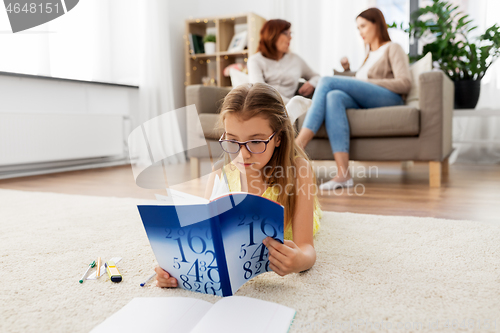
[(178, 12)]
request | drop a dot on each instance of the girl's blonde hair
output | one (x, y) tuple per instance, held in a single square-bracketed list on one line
[(260, 99)]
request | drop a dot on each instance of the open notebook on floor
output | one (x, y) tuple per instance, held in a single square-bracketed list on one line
[(183, 314)]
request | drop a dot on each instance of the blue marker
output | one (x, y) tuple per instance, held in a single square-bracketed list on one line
[(147, 280)]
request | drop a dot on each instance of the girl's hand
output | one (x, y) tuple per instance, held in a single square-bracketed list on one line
[(163, 279), (345, 64), (284, 258), (306, 89)]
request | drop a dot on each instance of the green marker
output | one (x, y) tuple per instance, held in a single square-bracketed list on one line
[(92, 265)]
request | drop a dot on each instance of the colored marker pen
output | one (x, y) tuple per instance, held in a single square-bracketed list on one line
[(147, 280), (92, 265), (113, 273)]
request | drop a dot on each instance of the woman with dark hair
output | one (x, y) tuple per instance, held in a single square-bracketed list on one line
[(384, 79), (275, 65)]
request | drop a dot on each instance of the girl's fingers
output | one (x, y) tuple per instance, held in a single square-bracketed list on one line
[(161, 272), (277, 246), (167, 283), (277, 255), (163, 279), (276, 263), (276, 269)]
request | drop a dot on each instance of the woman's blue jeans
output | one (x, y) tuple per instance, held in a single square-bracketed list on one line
[(335, 94)]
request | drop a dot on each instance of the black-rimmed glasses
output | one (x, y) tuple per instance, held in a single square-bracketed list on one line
[(253, 146)]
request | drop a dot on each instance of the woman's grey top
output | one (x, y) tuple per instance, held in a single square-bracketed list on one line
[(283, 74)]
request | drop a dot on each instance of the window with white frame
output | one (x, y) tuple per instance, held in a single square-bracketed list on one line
[(95, 41)]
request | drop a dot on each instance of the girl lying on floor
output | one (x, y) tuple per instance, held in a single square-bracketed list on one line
[(263, 159)]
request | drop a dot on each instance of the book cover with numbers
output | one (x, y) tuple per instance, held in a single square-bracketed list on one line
[(214, 247)]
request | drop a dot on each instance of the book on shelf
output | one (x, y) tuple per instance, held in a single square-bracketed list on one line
[(196, 44), (191, 44), (190, 315), (212, 247), (201, 45)]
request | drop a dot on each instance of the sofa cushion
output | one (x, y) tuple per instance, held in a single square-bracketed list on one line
[(419, 67), (378, 122), (238, 77), (208, 124), (206, 98)]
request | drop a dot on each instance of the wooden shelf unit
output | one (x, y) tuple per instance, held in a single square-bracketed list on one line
[(212, 65)]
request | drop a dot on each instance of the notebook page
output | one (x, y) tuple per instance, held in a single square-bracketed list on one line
[(156, 314), (245, 315)]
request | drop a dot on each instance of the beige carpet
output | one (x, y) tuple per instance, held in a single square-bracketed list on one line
[(371, 270)]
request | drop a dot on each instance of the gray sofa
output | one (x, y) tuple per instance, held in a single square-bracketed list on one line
[(397, 133)]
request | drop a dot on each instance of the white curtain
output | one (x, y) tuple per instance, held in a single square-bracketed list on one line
[(485, 14), (95, 41), (156, 85), (484, 129), (324, 31)]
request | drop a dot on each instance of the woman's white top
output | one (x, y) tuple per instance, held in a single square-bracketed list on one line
[(283, 74), (373, 57)]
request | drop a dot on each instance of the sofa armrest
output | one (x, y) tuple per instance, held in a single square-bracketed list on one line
[(344, 73), (206, 98), (436, 96)]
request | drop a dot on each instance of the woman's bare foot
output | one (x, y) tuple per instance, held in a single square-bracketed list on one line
[(336, 182), (305, 135), (341, 178), (300, 143)]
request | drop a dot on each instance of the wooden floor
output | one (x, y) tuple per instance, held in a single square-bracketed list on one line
[(471, 192)]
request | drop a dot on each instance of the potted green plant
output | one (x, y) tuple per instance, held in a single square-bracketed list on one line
[(465, 61), (209, 44)]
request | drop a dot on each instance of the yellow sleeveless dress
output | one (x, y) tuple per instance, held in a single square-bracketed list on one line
[(272, 192)]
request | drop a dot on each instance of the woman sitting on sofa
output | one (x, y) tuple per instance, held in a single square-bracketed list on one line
[(384, 79), (275, 65)]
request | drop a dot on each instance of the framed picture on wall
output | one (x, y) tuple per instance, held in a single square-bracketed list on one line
[(238, 42)]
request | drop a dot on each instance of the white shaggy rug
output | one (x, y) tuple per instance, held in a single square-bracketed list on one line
[(372, 272)]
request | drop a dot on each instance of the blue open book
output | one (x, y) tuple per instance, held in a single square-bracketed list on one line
[(213, 247)]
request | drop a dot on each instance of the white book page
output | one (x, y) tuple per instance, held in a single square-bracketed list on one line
[(180, 198), (220, 188), (245, 315), (156, 314)]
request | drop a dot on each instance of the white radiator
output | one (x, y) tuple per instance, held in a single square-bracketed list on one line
[(38, 138)]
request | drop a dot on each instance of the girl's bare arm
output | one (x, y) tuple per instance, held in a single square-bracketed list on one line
[(297, 255)]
